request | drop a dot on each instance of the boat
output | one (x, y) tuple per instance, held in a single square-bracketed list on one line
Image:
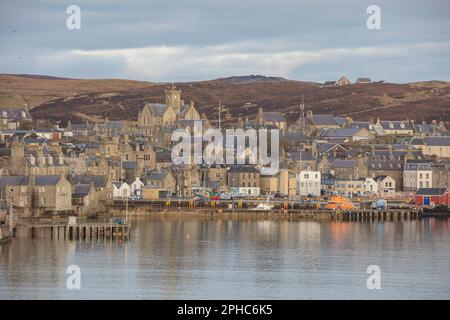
[(263, 207), (340, 203)]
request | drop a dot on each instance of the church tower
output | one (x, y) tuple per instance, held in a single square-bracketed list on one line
[(173, 98)]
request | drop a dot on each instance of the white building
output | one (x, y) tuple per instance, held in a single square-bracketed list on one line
[(121, 190), (136, 186), (308, 183), (417, 175), (370, 187), (386, 184)]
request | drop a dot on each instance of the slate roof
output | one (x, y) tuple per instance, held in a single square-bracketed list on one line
[(157, 109), (437, 141), (47, 180), (157, 175), (385, 165), (305, 155), (129, 165), (323, 119), (340, 132), (99, 180), (242, 168), (396, 125), (16, 114), (431, 191), (81, 190), (274, 116), (344, 164), (13, 180)]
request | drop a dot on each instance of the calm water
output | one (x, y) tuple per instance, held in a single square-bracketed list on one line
[(194, 258)]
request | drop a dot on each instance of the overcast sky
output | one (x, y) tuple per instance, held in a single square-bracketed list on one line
[(164, 40)]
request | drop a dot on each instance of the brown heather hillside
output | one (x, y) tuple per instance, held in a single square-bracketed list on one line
[(78, 100)]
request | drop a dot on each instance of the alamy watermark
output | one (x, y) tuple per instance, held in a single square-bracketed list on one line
[(374, 280), (73, 21), (374, 20), (189, 148), (73, 281)]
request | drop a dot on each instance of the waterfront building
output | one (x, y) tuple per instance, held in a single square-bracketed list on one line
[(417, 175), (309, 183)]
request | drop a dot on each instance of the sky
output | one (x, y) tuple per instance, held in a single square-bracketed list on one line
[(187, 40)]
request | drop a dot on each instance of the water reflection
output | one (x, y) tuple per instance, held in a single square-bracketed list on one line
[(176, 258)]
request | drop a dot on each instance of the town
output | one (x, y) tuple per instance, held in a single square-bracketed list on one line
[(83, 169)]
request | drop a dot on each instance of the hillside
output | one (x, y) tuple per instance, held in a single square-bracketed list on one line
[(78, 100)]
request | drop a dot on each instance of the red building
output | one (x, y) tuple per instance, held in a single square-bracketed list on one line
[(432, 196)]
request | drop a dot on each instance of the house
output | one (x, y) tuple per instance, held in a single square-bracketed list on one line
[(346, 134), (84, 199), (309, 183), (244, 179), (343, 81), (121, 190), (417, 175), (432, 196), (397, 128), (392, 168), (153, 193), (370, 187), (363, 80), (385, 185), (136, 186), (437, 146), (16, 190), (162, 179), (349, 187), (52, 193), (276, 119), (11, 117)]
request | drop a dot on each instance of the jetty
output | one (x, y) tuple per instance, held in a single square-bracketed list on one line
[(74, 230)]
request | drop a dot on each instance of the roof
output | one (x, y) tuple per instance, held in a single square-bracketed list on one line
[(242, 168), (340, 132), (417, 166), (323, 119), (13, 180), (99, 180), (396, 125), (14, 113), (81, 190), (47, 180), (385, 165), (431, 191), (157, 109), (274, 116), (437, 141), (305, 155), (345, 164), (157, 175), (129, 165)]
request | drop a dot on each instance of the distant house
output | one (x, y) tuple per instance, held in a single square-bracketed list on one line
[(341, 82), (11, 118), (417, 175), (432, 196), (370, 187), (386, 184), (363, 80), (121, 190)]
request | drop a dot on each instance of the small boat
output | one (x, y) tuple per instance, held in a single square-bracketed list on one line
[(263, 207)]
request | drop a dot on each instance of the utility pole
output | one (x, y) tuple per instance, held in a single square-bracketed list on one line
[(220, 107)]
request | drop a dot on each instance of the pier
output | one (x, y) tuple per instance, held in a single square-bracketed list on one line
[(82, 231)]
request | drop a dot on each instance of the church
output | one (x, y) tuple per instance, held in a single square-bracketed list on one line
[(166, 114)]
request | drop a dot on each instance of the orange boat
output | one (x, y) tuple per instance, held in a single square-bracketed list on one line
[(340, 203)]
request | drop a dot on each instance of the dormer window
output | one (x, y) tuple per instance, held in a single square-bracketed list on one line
[(402, 125), (391, 125), (4, 114)]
